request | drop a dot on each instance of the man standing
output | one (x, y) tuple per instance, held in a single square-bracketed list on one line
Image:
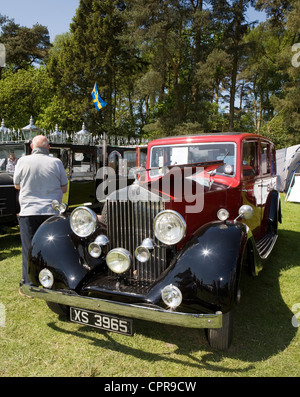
[(40, 179)]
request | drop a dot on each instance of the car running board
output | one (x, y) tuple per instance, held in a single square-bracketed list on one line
[(265, 245)]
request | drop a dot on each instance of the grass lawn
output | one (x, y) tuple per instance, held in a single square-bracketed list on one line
[(35, 342)]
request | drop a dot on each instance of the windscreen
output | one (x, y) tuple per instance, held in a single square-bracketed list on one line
[(164, 156)]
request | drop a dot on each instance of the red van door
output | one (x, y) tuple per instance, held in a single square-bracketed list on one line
[(251, 184)]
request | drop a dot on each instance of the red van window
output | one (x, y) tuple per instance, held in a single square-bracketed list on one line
[(249, 159), (265, 157)]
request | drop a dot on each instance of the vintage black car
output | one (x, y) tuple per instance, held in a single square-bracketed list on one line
[(9, 205), (170, 247), (83, 164)]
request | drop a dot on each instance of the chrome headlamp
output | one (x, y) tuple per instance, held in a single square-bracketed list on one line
[(171, 296), (46, 278), (169, 227), (223, 214), (118, 260), (95, 248), (142, 252), (83, 221)]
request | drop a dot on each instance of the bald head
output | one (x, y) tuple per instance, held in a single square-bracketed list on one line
[(40, 141)]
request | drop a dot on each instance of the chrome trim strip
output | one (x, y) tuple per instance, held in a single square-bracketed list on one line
[(147, 313)]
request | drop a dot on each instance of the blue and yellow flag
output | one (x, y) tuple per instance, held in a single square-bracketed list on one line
[(98, 102)]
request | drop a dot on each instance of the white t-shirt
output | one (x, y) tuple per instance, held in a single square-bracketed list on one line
[(41, 178)]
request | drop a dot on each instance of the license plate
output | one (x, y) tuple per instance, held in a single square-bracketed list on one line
[(107, 322)]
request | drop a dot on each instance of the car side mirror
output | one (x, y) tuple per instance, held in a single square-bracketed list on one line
[(245, 212)]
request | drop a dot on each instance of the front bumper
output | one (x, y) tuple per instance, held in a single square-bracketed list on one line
[(189, 320)]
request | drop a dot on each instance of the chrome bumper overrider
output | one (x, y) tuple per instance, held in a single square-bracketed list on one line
[(147, 313)]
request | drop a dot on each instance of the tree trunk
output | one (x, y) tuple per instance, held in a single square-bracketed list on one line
[(259, 122), (232, 93), (197, 56)]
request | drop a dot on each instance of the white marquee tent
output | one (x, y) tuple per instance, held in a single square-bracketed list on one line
[(288, 172)]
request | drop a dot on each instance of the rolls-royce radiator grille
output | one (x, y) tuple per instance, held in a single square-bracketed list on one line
[(129, 223)]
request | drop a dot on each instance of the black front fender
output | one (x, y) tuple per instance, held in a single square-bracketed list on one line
[(208, 268), (55, 247)]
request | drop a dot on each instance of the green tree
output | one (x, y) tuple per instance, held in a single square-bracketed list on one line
[(67, 105), (24, 46), (230, 17), (277, 78), (93, 52), (161, 28), (163, 66), (24, 93), (262, 72), (287, 102), (213, 74), (276, 10)]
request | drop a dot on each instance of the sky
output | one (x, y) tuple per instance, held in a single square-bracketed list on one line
[(56, 14)]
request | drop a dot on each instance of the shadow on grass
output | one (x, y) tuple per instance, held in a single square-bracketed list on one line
[(111, 344), (10, 243), (262, 327)]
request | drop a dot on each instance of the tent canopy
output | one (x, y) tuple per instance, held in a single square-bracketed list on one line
[(288, 163)]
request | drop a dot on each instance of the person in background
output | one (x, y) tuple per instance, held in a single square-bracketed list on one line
[(40, 179), (11, 163)]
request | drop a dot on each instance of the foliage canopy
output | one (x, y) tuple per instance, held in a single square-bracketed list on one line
[(163, 66)]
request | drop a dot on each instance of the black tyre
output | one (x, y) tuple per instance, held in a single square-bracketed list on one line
[(61, 310), (221, 338)]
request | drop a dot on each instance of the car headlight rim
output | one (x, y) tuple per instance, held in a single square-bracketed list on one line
[(118, 260), (163, 236), (94, 250), (142, 254), (222, 214), (83, 221), (46, 278), (102, 240), (171, 296)]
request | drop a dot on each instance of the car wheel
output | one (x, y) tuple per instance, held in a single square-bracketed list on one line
[(221, 338), (58, 308)]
